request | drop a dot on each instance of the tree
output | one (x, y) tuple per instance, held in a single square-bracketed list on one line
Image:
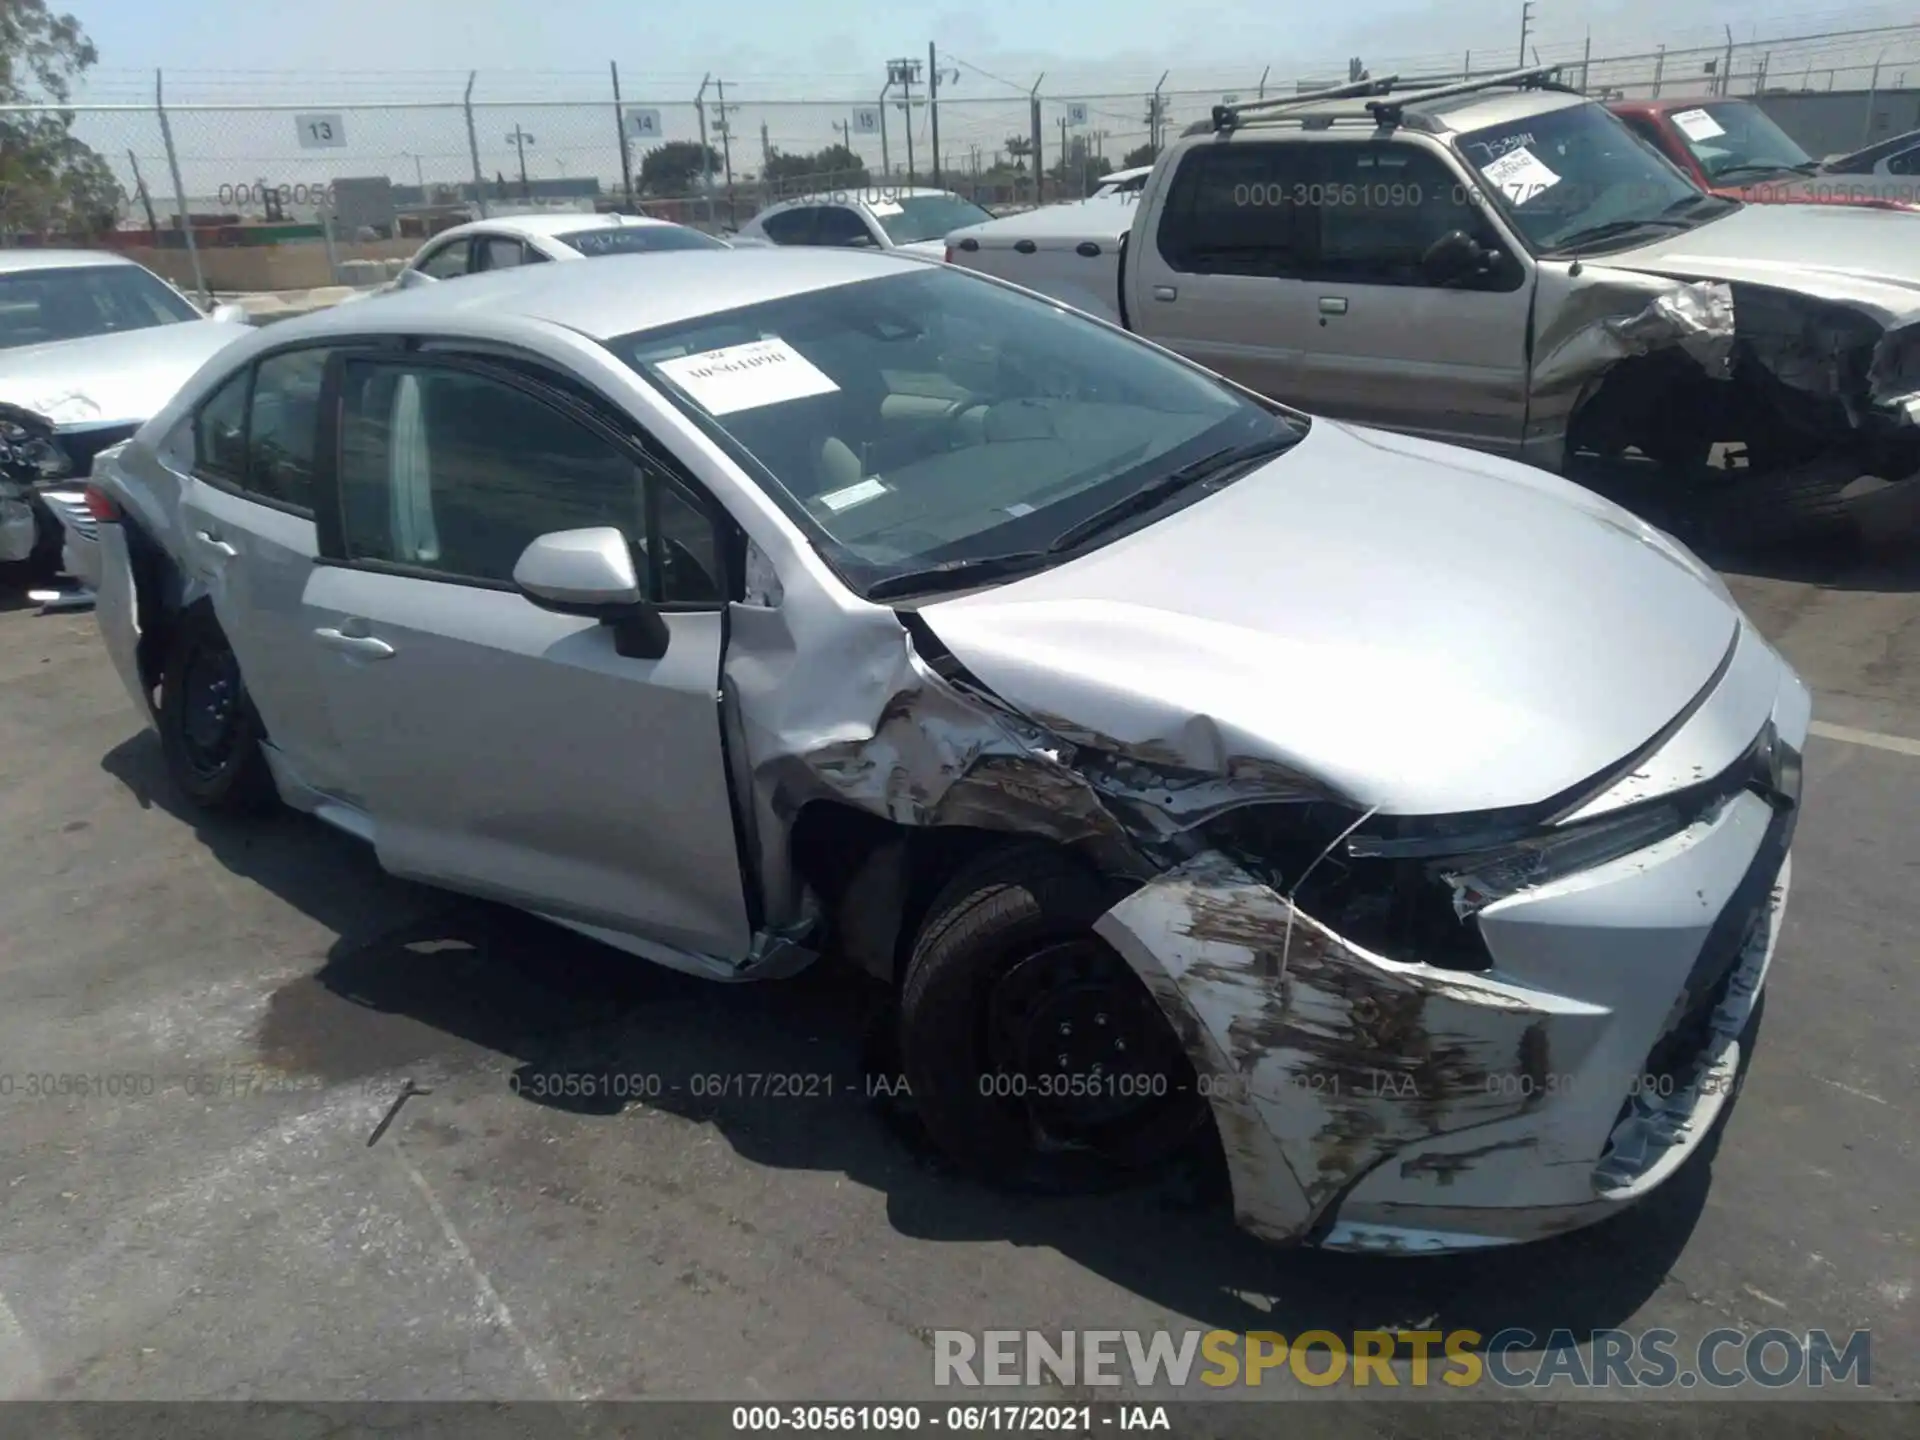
[(675, 167), (49, 181), (835, 167), (1018, 147), (1134, 159)]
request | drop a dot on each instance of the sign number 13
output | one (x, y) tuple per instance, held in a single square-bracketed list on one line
[(320, 132)]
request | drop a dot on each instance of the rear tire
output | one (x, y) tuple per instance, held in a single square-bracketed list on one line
[(209, 729), (1035, 1057)]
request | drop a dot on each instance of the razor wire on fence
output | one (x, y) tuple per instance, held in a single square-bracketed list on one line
[(371, 180)]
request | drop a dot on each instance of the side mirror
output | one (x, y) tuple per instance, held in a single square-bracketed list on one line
[(230, 314), (1455, 256), (591, 573), (410, 278)]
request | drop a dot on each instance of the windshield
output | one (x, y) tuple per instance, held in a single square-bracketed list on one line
[(638, 240), (915, 420), (910, 218), (39, 306), (1734, 136), (1578, 169)]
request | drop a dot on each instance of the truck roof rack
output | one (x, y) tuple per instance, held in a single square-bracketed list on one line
[(1390, 106), (1227, 117), (1537, 77)]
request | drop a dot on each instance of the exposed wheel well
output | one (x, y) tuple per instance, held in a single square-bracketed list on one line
[(877, 878)]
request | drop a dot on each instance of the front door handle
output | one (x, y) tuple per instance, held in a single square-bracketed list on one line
[(1165, 292), (1333, 304), (214, 543), (364, 647)]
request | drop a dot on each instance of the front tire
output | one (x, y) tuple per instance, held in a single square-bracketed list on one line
[(1034, 1054), (209, 729)]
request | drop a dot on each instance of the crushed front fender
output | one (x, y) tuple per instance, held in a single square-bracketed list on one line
[(1320, 1059)]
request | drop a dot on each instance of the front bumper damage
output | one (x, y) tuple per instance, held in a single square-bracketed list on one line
[(1816, 383), (1362, 1102)]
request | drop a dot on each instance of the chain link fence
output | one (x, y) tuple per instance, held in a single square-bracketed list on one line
[(231, 197)]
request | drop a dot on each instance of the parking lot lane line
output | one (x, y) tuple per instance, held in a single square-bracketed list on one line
[(542, 1369), (19, 1360), (1847, 735)]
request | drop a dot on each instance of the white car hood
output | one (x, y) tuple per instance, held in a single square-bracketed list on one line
[(114, 379), (1425, 629)]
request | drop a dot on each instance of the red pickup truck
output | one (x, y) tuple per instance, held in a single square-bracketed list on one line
[(1733, 148)]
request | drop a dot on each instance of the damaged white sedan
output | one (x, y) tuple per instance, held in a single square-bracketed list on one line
[(1416, 819)]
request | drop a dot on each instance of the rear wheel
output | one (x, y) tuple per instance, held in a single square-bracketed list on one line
[(1035, 1055), (208, 727)]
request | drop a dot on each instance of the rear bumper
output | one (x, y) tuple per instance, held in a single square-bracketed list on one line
[(117, 611), (1368, 1104)]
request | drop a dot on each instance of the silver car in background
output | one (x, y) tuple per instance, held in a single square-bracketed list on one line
[(911, 219), (91, 344), (509, 241), (1414, 820)]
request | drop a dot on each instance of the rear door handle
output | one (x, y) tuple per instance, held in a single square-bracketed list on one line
[(1165, 292), (1333, 304), (214, 543), (364, 647)]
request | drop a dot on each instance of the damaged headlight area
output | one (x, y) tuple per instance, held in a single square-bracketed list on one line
[(1410, 890), (28, 449)]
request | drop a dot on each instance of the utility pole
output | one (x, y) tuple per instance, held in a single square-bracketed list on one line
[(706, 151), (725, 126), (519, 139), (1726, 70), (620, 128), (1035, 136), (1063, 157), (766, 164), (933, 108), (886, 163), (1157, 113), (903, 73), (1526, 25)]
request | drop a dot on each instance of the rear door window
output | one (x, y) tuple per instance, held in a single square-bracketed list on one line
[(1238, 209)]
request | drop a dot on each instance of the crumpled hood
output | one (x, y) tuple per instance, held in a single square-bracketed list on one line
[(1422, 628), (1851, 253), (119, 378)]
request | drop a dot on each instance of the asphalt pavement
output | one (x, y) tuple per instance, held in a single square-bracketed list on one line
[(210, 1220)]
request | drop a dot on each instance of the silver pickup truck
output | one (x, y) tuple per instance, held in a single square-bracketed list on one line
[(1504, 265)]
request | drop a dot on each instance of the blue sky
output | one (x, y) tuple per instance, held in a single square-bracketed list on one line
[(774, 54)]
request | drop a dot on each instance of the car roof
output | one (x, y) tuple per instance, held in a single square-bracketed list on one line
[(548, 223), (856, 195), (614, 296), (13, 261)]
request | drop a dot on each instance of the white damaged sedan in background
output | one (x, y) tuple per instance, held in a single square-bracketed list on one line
[(1416, 820)]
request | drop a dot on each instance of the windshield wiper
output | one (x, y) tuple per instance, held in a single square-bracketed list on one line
[(957, 574), (1775, 169), (1611, 228), (1207, 467)]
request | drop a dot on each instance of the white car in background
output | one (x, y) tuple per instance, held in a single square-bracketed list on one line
[(906, 218), (513, 240), (91, 344)]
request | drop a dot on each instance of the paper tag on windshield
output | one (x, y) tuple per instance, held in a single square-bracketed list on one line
[(1698, 125), (885, 207), (1520, 175), (838, 500), (744, 377)]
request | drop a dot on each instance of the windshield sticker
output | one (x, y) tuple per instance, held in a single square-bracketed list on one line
[(745, 377), (886, 207), (1019, 509), (838, 500), (1698, 125), (1520, 175)]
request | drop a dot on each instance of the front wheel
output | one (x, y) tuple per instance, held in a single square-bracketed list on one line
[(208, 727), (1034, 1054)]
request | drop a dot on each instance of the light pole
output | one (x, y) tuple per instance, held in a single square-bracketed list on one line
[(520, 139)]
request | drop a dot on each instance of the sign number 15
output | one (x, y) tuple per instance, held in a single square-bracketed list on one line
[(320, 132)]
